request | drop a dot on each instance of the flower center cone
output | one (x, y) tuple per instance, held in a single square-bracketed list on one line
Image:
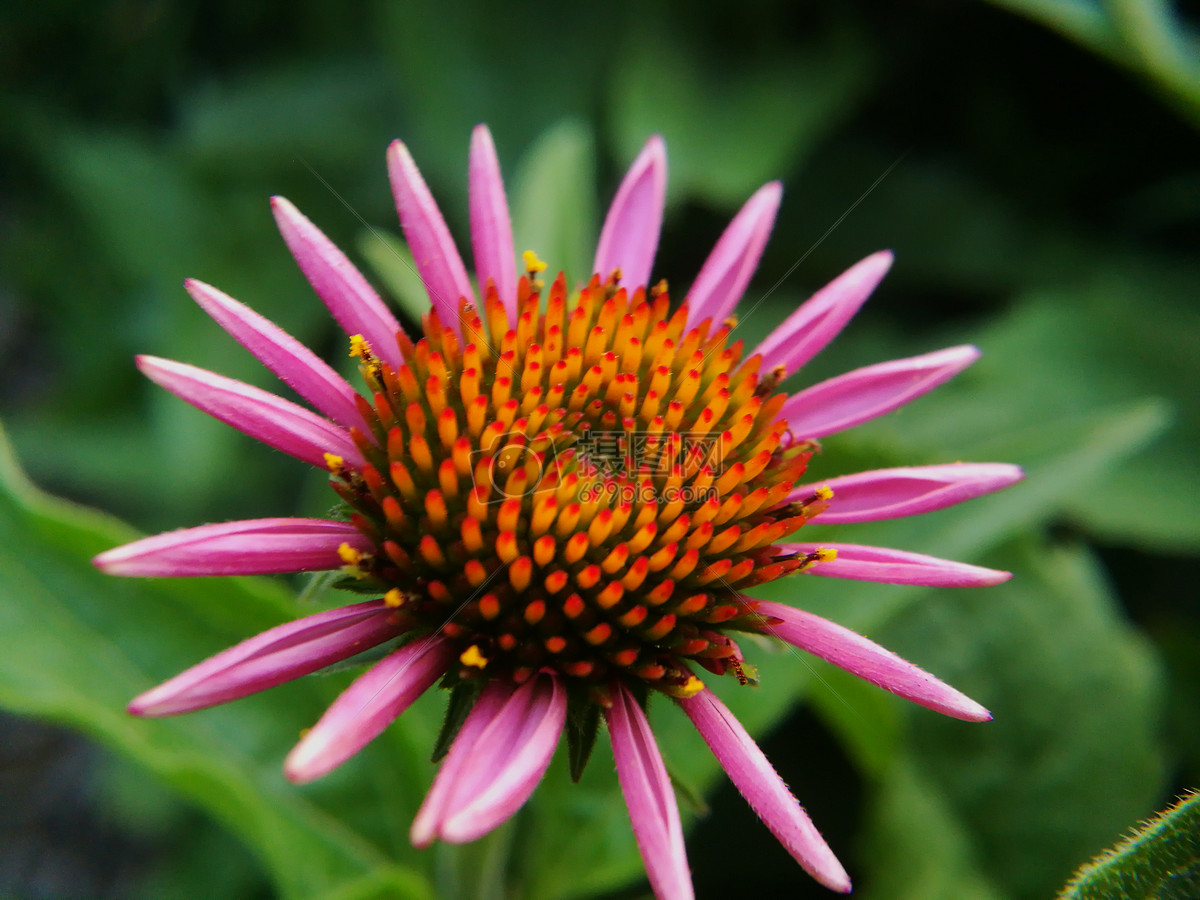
[(586, 490)]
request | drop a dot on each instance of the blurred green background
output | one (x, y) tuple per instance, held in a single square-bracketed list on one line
[(1033, 163)]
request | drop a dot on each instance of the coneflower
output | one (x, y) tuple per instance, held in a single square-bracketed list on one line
[(561, 499)]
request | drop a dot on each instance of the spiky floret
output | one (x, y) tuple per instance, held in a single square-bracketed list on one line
[(587, 489)]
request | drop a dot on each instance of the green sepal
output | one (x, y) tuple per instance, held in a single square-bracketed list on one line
[(583, 724), (462, 700)]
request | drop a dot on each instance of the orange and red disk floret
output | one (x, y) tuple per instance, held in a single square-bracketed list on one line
[(587, 489)]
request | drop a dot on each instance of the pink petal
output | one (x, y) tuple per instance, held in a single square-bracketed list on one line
[(367, 707), (866, 659), (870, 392), (895, 493), (491, 227), (727, 271), (273, 657), (276, 422), (433, 250), (629, 238), (649, 797), (764, 790), (297, 366), (425, 827), (805, 332), (250, 547), (341, 287), (859, 563), (496, 761)]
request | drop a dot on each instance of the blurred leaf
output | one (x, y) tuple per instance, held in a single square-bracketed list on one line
[(731, 129), (917, 847), (76, 645), (553, 200), (460, 65), (869, 721), (1061, 354), (138, 197), (1161, 861), (1074, 751), (576, 837), (1060, 458), (1147, 36), (392, 261), (312, 110)]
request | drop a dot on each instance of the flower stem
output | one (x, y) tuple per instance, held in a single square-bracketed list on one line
[(476, 871)]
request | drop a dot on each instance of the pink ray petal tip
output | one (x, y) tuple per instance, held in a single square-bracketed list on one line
[(336, 281), (909, 491), (260, 414), (496, 761), (856, 654), (280, 654), (433, 249), (726, 273), (491, 227), (292, 362), (249, 547), (629, 238), (367, 707), (649, 797), (756, 779), (857, 562), (870, 392), (820, 319)]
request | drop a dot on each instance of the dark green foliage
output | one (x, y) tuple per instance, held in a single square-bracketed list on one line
[(1041, 197)]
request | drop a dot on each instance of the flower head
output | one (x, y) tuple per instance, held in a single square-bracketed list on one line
[(562, 498)]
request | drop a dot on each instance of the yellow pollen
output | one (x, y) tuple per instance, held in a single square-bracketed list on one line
[(690, 688), (334, 463), (349, 555), (394, 598), (826, 554), (359, 347), (825, 492), (473, 657), (533, 265)]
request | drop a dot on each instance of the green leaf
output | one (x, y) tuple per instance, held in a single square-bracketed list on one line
[(553, 200), (1061, 353), (1146, 36), (666, 85), (916, 845), (1161, 861), (1073, 752), (76, 645), (393, 262)]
